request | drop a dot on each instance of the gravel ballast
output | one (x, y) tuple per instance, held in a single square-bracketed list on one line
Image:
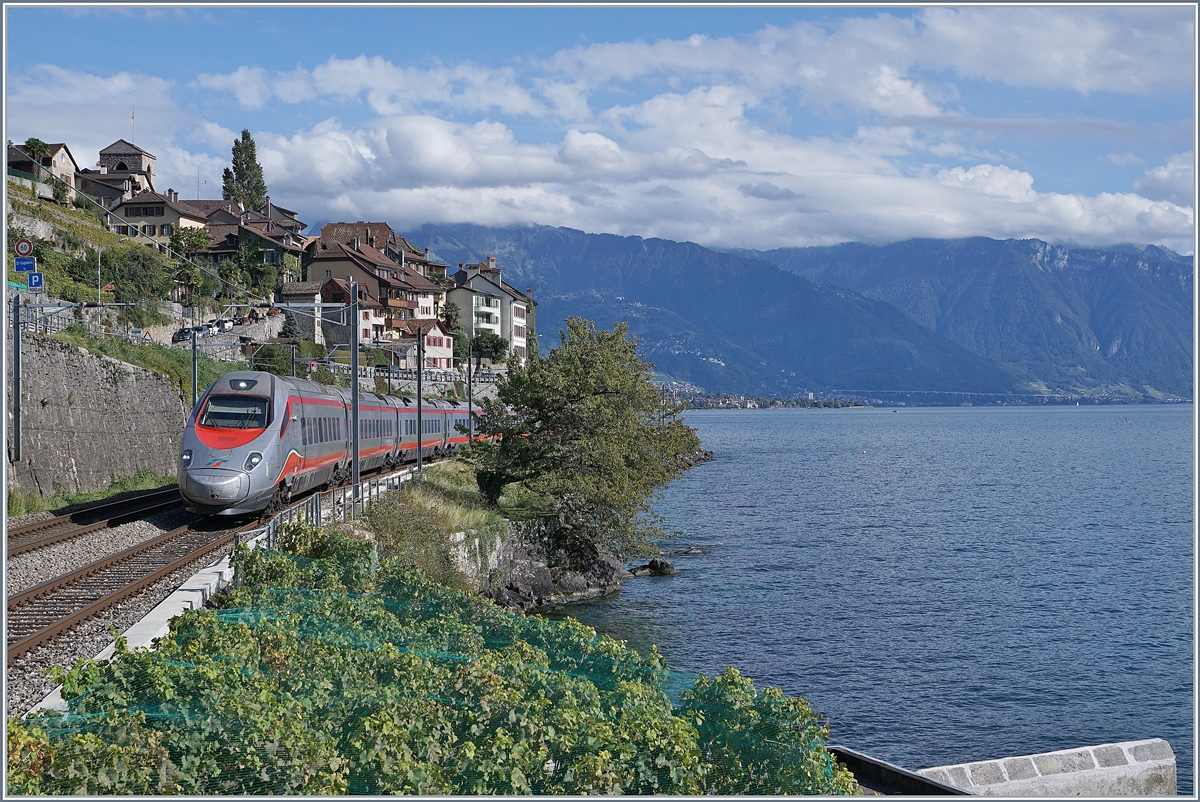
[(27, 681)]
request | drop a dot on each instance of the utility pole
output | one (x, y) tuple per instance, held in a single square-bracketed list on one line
[(420, 370), (470, 399), (194, 370), (354, 374), (16, 318)]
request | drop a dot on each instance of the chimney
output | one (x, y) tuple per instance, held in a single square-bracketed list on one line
[(491, 263), (426, 253), (103, 168), (354, 243)]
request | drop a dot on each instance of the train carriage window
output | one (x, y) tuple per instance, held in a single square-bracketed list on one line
[(234, 412), (304, 431)]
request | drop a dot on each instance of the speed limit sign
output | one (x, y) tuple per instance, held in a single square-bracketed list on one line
[(24, 247)]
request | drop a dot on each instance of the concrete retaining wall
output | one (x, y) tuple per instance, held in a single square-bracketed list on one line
[(88, 419), (1130, 768)]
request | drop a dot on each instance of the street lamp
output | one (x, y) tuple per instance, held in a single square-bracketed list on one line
[(100, 248)]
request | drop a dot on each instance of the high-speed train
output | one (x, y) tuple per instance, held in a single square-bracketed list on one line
[(256, 440)]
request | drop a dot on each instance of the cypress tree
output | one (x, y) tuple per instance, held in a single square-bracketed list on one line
[(245, 179)]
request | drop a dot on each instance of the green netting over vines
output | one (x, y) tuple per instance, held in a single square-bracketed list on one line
[(330, 674)]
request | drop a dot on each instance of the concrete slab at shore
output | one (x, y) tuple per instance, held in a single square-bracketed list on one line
[(1130, 768)]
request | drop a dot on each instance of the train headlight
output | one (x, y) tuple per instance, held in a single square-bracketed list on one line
[(186, 459), (252, 460)]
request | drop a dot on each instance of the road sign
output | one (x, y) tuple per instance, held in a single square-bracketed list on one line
[(23, 247), (35, 282), (26, 264)]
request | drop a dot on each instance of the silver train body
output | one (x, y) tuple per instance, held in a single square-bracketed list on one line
[(256, 439)]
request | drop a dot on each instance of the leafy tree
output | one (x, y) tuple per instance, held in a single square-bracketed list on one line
[(245, 179), (138, 273), (461, 346), (275, 359), (491, 345), (291, 267), (451, 315), (586, 428), (37, 150), (290, 328), (188, 241)]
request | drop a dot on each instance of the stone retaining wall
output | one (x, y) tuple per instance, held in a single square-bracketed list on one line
[(87, 419), (1131, 768)]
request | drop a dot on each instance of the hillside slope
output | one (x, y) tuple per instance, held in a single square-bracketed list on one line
[(1102, 321), (724, 322)]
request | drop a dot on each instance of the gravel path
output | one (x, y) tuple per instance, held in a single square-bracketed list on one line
[(27, 681)]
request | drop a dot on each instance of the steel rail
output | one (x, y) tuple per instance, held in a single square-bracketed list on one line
[(25, 538), (23, 607)]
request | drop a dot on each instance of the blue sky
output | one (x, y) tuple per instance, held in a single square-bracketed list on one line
[(731, 127)]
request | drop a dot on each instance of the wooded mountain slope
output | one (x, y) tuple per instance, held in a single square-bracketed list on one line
[(1104, 321), (725, 322)]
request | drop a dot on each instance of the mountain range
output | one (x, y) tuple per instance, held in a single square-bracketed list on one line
[(1116, 320), (931, 317)]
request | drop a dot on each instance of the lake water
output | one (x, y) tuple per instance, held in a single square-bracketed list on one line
[(982, 582)]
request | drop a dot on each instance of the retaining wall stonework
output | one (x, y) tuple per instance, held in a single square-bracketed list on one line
[(1130, 768), (87, 419)]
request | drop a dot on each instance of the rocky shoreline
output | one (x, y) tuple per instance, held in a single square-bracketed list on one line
[(535, 570)]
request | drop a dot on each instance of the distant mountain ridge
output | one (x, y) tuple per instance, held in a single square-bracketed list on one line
[(1117, 320), (725, 322)]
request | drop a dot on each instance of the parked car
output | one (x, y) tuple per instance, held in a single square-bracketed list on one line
[(239, 320), (224, 324), (183, 334), (203, 330)]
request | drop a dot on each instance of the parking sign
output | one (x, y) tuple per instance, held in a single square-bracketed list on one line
[(25, 264), (35, 281)]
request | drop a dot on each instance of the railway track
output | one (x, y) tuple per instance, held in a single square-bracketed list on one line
[(37, 615), (26, 538)]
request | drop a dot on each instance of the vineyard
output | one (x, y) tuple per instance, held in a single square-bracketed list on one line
[(329, 670)]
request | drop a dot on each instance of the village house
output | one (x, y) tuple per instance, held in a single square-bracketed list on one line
[(58, 164), (151, 218), (370, 313), (489, 304), (309, 294), (403, 293)]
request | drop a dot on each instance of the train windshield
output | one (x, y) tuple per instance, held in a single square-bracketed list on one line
[(234, 412)]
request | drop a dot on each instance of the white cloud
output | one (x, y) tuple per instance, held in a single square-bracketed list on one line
[(1173, 181), (1098, 49), (593, 150), (49, 85), (250, 85), (996, 180), (389, 89)]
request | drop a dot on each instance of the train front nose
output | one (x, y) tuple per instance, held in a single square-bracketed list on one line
[(216, 488)]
